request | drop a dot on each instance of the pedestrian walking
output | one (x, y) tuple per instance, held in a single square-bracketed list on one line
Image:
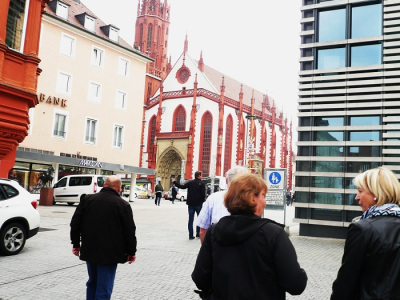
[(103, 235), (173, 193), (244, 256), (159, 190), (195, 197), (371, 261)]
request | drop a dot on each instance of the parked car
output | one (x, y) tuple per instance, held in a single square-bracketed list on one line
[(140, 192), (19, 218), (73, 188), (180, 195)]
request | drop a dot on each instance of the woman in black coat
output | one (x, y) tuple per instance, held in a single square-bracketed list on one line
[(371, 260), (244, 256)]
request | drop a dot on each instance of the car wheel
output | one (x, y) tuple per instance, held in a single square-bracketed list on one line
[(182, 198), (70, 203), (12, 239), (54, 201)]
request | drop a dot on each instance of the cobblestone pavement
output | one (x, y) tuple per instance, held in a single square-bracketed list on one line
[(46, 268)]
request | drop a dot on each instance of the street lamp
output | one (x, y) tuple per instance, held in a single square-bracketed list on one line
[(249, 117)]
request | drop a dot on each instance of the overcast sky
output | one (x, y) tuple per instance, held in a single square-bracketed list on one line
[(255, 41)]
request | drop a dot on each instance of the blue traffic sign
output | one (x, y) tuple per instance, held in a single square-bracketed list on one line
[(275, 178)]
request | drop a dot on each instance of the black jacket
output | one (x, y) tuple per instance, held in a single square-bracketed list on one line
[(371, 261), (246, 257), (103, 222), (196, 191)]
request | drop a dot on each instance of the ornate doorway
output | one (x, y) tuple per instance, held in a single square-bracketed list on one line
[(168, 166)]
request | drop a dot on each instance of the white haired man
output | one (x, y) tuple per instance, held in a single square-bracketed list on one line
[(214, 208)]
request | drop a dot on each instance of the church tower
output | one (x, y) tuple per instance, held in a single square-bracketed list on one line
[(151, 38)]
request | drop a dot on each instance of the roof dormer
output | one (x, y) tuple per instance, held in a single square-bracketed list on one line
[(88, 21), (111, 31), (60, 8)]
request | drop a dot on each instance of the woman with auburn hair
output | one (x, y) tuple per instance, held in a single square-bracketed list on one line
[(371, 260), (244, 256)]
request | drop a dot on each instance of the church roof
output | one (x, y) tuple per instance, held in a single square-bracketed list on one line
[(232, 88)]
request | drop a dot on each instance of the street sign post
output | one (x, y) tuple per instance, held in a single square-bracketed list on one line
[(276, 180)]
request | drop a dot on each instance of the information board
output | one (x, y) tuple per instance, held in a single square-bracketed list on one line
[(276, 182)]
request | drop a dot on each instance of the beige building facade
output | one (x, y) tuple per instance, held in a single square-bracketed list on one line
[(90, 92)]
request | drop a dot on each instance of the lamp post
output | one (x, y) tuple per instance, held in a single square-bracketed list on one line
[(249, 140)]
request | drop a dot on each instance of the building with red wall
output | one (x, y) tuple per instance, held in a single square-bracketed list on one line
[(20, 23)]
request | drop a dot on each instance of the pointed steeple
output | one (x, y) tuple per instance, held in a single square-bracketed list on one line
[(185, 47), (201, 62)]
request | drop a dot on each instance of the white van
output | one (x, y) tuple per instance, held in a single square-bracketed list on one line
[(73, 188)]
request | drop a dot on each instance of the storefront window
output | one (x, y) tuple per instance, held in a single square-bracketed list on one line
[(20, 173), (106, 172), (65, 170), (36, 171)]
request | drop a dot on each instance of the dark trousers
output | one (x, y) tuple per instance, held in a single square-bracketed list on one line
[(101, 281), (158, 198), (191, 210)]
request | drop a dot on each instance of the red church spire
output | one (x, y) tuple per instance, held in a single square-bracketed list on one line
[(186, 45), (201, 62)]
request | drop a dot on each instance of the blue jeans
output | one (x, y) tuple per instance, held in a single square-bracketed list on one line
[(157, 199), (191, 211), (101, 281)]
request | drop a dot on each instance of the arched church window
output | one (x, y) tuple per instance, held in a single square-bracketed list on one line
[(205, 144), (179, 121), (159, 36), (228, 144), (149, 36), (152, 134), (152, 5), (141, 36)]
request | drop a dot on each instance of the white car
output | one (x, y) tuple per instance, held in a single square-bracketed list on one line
[(72, 188), (181, 194), (140, 192), (19, 217)]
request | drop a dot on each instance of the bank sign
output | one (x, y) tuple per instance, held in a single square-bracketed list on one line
[(276, 182)]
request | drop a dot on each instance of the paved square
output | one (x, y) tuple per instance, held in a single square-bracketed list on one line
[(47, 270)]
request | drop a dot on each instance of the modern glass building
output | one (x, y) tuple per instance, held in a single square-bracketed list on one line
[(348, 106)]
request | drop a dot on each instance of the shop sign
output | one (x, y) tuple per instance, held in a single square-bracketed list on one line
[(52, 100), (90, 163)]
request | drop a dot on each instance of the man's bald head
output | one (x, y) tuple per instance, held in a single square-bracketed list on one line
[(113, 182)]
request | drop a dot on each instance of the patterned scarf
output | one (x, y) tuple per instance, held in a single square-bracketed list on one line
[(383, 210)]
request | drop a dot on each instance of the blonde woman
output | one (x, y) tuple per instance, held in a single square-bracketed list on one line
[(371, 260)]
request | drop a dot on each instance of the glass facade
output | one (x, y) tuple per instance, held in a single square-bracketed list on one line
[(359, 27), (332, 25), (348, 111), (331, 58), (366, 55)]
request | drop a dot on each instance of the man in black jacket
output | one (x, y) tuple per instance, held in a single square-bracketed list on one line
[(195, 197), (103, 235)]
